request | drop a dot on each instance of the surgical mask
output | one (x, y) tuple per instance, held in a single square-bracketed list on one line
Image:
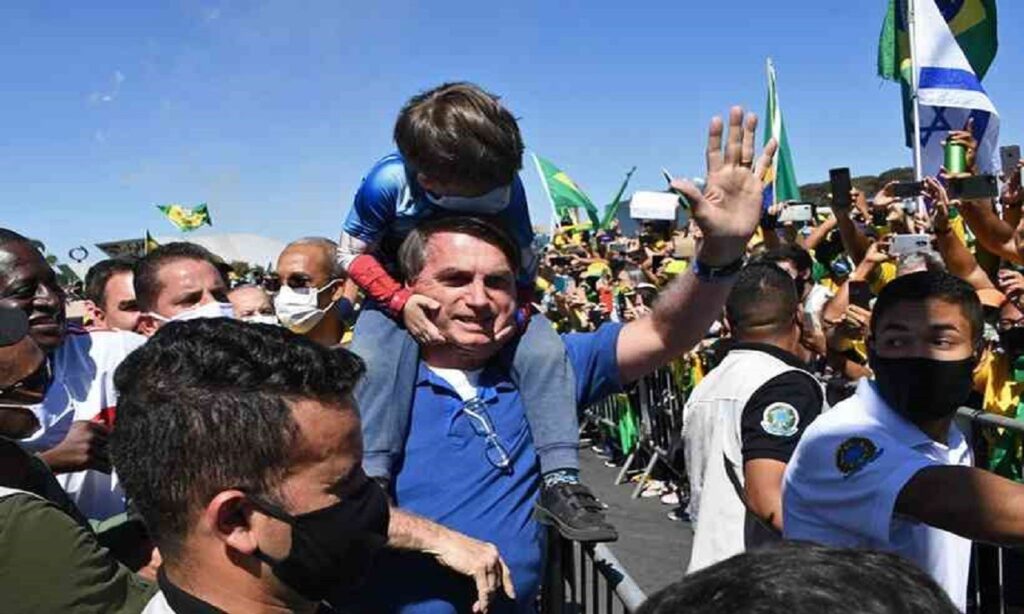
[(332, 547), (208, 310), (492, 202), (923, 388), (262, 318), (298, 309)]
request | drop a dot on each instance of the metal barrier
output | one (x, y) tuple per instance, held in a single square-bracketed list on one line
[(995, 571), (586, 579)]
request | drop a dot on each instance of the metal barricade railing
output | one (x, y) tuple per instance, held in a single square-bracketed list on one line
[(586, 579), (990, 574)]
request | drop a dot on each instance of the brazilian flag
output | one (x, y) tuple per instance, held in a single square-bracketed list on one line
[(187, 219), (563, 192), (973, 23)]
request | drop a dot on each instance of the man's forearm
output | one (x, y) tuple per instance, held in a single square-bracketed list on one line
[(855, 243), (993, 234), (408, 531)]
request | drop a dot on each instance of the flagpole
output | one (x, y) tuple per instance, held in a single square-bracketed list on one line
[(914, 77), (555, 219), (773, 102)]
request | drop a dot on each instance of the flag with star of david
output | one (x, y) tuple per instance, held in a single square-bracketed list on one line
[(949, 92)]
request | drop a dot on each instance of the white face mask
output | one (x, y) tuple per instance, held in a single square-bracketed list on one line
[(492, 202), (298, 308), (262, 318), (209, 310)]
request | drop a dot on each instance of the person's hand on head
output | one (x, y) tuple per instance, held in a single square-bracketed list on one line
[(418, 317), (729, 208), (84, 447)]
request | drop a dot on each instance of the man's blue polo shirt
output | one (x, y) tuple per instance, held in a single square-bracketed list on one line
[(445, 475)]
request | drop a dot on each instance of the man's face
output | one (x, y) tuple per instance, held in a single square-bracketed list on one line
[(307, 266), (251, 301), (28, 283), (475, 285), (120, 311), (325, 467), (932, 328), (186, 284)]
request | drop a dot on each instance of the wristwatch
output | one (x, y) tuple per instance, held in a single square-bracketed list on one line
[(711, 274)]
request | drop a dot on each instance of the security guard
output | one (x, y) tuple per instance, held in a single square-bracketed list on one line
[(888, 469), (744, 419)]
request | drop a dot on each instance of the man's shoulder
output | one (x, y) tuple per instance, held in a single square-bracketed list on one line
[(99, 349)]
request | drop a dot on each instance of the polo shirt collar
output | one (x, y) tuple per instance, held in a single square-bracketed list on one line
[(777, 352), (491, 379), (902, 429), (180, 601)]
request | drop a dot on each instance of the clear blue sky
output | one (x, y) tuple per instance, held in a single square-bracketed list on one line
[(272, 111)]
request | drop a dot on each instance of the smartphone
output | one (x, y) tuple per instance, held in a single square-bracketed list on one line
[(797, 212), (860, 294), (909, 244), (839, 178), (1010, 156), (976, 187), (908, 189)]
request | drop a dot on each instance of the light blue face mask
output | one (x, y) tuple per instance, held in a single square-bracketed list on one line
[(490, 203)]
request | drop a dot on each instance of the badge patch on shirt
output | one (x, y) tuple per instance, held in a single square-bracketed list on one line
[(780, 419), (854, 454)]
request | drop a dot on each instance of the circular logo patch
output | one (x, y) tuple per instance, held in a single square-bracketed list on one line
[(780, 419), (854, 453)]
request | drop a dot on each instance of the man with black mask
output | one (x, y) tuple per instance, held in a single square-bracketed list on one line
[(888, 469), (240, 446)]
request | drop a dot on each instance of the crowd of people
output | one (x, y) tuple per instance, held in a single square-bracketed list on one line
[(391, 421)]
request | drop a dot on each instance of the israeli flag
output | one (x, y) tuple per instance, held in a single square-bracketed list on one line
[(949, 93)]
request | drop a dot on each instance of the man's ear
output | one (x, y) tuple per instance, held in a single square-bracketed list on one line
[(228, 517), (147, 325), (95, 314)]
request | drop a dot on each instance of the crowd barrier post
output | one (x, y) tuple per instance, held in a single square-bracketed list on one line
[(586, 579)]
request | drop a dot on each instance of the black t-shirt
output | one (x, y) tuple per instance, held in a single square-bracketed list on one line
[(777, 414)]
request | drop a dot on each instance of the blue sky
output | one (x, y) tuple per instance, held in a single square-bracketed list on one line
[(272, 111)]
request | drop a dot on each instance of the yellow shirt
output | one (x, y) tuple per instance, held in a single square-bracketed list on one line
[(881, 276), (992, 378)]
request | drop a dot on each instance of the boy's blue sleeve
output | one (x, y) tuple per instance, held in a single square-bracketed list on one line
[(376, 201), (516, 220), (595, 361)]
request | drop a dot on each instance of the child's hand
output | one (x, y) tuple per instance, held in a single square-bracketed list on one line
[(418, 318)]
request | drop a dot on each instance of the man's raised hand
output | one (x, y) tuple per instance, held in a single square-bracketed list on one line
[(729, 208)]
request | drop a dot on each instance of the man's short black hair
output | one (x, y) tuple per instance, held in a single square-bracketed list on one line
[(800, 578), (147, 269), (788, 252), (412, 255), (763, 301), (925, 285), (459, 134), (100, 273), (204, 407)]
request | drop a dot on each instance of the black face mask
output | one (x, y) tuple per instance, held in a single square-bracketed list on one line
[(923, 388), (1012, 340), (332, 547)]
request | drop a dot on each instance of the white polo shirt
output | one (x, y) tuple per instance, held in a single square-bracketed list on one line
[(841, 485), (83, 389)]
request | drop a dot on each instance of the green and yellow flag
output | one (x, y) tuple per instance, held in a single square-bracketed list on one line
[(563, 192), (973, 23), (185, 218)]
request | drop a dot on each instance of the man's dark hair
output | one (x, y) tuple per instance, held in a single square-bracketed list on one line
[(932, 285), (9, 236), (459, 134), (100, 273), (788, 252), (204, 407), (801, 578), (412, 255), (763, 301), (147, 269)]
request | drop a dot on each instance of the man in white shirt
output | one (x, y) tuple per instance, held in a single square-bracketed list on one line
[(888, 469), (76, 414)]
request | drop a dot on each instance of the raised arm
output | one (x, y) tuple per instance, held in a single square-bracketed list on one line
[(727, 213), (959, 260)]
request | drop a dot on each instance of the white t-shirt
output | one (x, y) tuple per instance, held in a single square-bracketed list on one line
[(841, 485), (465, 383), (82, 388)]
